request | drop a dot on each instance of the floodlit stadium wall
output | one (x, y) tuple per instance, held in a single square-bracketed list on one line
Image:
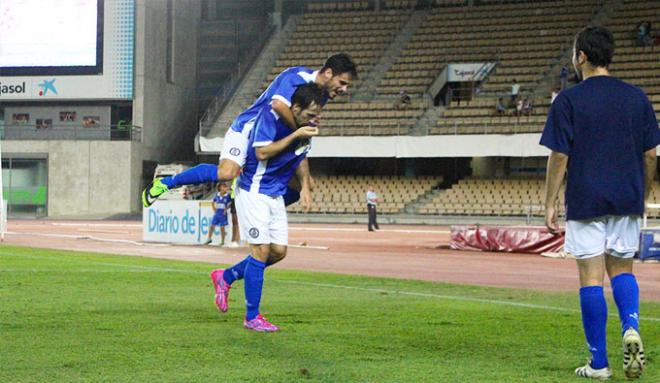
[(109, 76), (89, 171)]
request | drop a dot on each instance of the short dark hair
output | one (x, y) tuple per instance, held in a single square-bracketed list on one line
[(597, 43), (306, 94), (341, 63)]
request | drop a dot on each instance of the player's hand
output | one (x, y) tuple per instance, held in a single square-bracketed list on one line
[(307, 131), (551, 219), (306, 199)]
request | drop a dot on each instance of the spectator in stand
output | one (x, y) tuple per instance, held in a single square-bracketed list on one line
[(515, 90), (563, 77), (500, 109), (644, 34), (518, 107), (403, 102), (527, 107)]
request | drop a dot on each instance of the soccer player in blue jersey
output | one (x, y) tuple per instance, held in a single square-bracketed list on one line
[(603, 135), (334, 78), (221, 203), (275, 152)]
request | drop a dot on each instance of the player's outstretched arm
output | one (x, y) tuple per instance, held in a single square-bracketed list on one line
[(274, 148)]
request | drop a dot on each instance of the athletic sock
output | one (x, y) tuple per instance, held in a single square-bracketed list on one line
[(199, 174), (254, 283), (236, 272), (594, 320), (626, 296)]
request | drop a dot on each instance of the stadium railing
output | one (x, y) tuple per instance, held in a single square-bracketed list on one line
[(71, 133), (227, 90)]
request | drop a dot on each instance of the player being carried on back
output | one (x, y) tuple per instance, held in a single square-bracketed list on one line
[(333, 78), (275, 152)]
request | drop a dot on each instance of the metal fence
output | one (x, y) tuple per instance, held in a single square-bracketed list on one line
[(68, 132)]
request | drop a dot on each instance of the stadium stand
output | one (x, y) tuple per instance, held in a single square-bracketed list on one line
[(347, 194), (363, 34), (521, 38), (499, 197), (477, 116), (637, 65), (374, 119)]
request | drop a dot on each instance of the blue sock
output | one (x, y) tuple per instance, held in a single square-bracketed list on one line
[(254, 283), (626, 296), (199, 174), (236, 272), (594, 320)]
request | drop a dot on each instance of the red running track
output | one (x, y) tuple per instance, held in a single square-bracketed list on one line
[(408, 252)]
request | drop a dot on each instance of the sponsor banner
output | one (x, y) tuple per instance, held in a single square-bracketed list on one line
[(116, 80), (469, 71), (183, 222)]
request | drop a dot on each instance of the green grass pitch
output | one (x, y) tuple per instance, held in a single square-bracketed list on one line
[(82, 317)]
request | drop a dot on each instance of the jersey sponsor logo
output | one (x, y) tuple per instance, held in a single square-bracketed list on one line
[(254, 232), (234, 151)]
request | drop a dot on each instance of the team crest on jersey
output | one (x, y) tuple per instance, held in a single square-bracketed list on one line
[(254, 232), (234, 151), (304, 146)]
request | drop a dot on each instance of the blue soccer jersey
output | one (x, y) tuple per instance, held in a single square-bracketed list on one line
[(282, 89), (271, 177), (604, 126), (221, 203)]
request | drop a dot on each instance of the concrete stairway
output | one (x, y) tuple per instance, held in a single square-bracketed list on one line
[(367, 90), (551, 77), (413, 206), (245, 92), (429, 119)]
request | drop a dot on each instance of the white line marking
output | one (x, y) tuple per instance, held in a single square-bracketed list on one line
[(96, 224), (309, 247), (346, 287), (103, 231), (293, 228), (91, 237), (450, 297)]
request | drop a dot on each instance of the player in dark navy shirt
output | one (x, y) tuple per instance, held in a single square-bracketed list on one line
[(603, 135)]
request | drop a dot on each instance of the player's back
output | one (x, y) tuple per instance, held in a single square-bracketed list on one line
[(604, 125), (290, 78), (609, 114)]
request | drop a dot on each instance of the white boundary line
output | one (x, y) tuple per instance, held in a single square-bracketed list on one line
[(293, 228), (90, 237), (96, 224), (347, 287)]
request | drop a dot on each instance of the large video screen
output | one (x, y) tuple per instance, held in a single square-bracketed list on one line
[(51, 37)]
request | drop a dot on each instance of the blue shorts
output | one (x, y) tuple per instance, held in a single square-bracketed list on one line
[(219, 220)]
